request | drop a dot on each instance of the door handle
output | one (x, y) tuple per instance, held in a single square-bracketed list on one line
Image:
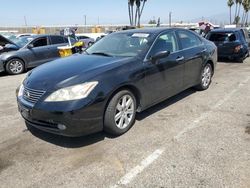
[(180, 59)]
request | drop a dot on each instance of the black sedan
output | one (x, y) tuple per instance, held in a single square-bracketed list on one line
[(124, 73), (20, 53)]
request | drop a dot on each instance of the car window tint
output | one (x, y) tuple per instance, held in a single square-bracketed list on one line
[(188, 39), (57, 40), (40, 42), (165, 42), (221, 37), (82, 37)]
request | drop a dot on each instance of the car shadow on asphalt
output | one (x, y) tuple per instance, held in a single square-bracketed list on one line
[(67, 142), (164, 104), (225, 60), (2, 74), (77, 142)]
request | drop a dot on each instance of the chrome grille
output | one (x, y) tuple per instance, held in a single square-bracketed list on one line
[(32, 95)]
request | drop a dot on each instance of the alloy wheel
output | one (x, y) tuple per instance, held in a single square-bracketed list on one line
[(124, 112), (15, 66), (206, 76)]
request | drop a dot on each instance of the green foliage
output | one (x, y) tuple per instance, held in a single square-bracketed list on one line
[(239, 5)]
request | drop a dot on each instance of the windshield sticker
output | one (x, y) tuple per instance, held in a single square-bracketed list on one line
[(141, 35)]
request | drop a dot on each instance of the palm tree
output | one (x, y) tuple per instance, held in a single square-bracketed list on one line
[(140, 10), (245, 5), (240, 3), (237, 11), (131, 4), (230, 3), (135, 18)]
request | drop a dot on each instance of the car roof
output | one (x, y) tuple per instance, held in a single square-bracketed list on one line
[(42, 35), (154, 30), (226, 30)]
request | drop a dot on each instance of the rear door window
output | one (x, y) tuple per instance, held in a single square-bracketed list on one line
[(40, 42), (188, 39), (57, 40)]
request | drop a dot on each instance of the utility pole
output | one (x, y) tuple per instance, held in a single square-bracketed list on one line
[(25, 23), (170, 19), (85, 22)]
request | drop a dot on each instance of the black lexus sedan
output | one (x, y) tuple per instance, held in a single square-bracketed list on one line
[(124, 73)]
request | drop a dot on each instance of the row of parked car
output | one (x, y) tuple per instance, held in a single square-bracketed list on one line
[(122, 74), (18, 53)]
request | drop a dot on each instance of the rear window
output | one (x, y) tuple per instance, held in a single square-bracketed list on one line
[(221, 37)]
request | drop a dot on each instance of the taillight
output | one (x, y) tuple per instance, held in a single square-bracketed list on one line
[(237, 48)]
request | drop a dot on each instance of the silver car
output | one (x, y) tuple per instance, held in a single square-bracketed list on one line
[(19, 53)]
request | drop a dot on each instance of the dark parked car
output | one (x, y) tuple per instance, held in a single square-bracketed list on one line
[(232, 43), (124, 73), (21, 53)]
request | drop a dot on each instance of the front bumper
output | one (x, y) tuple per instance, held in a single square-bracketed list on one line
[(74, 123), (1, 66)]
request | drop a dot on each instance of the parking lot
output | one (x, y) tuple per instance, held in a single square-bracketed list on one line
[(195, 139)]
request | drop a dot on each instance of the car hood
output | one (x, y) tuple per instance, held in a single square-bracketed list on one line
[(70, 71), (3, 42)]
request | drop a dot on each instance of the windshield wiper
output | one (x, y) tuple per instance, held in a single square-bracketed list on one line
[(101, 53)]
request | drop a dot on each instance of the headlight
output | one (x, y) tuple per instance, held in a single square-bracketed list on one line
[(20, 92), (72, 93)]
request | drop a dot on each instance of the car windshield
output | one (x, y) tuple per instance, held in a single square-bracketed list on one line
[(21, 41), (121, 45)]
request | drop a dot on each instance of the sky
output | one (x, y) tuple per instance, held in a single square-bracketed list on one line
[(64, 12)]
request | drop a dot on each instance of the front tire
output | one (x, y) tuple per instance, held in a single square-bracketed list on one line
[(120, 113), (15, 66), (205, 77)]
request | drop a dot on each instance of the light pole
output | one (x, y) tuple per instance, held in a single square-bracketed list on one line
[(25, 23), (85, 22)]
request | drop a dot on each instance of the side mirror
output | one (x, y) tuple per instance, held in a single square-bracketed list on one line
[(159, 55), (30, 46)]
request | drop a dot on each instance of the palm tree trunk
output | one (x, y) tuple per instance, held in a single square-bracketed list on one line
[(132, 7), (230, 9), (246, 23), (139, 17), (136, 15), (236, 10), (129, 12), (243, 18)]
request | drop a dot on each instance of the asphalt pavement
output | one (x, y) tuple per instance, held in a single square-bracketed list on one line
[(195, 139)]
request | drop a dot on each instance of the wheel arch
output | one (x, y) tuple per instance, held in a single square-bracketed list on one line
[(14, 57), (209, 61), (133, 89)]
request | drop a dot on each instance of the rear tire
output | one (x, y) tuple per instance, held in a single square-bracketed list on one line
[(120, 113), (15, 66), (205, 77)]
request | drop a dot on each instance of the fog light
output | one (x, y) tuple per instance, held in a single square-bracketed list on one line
[(61, 127)]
